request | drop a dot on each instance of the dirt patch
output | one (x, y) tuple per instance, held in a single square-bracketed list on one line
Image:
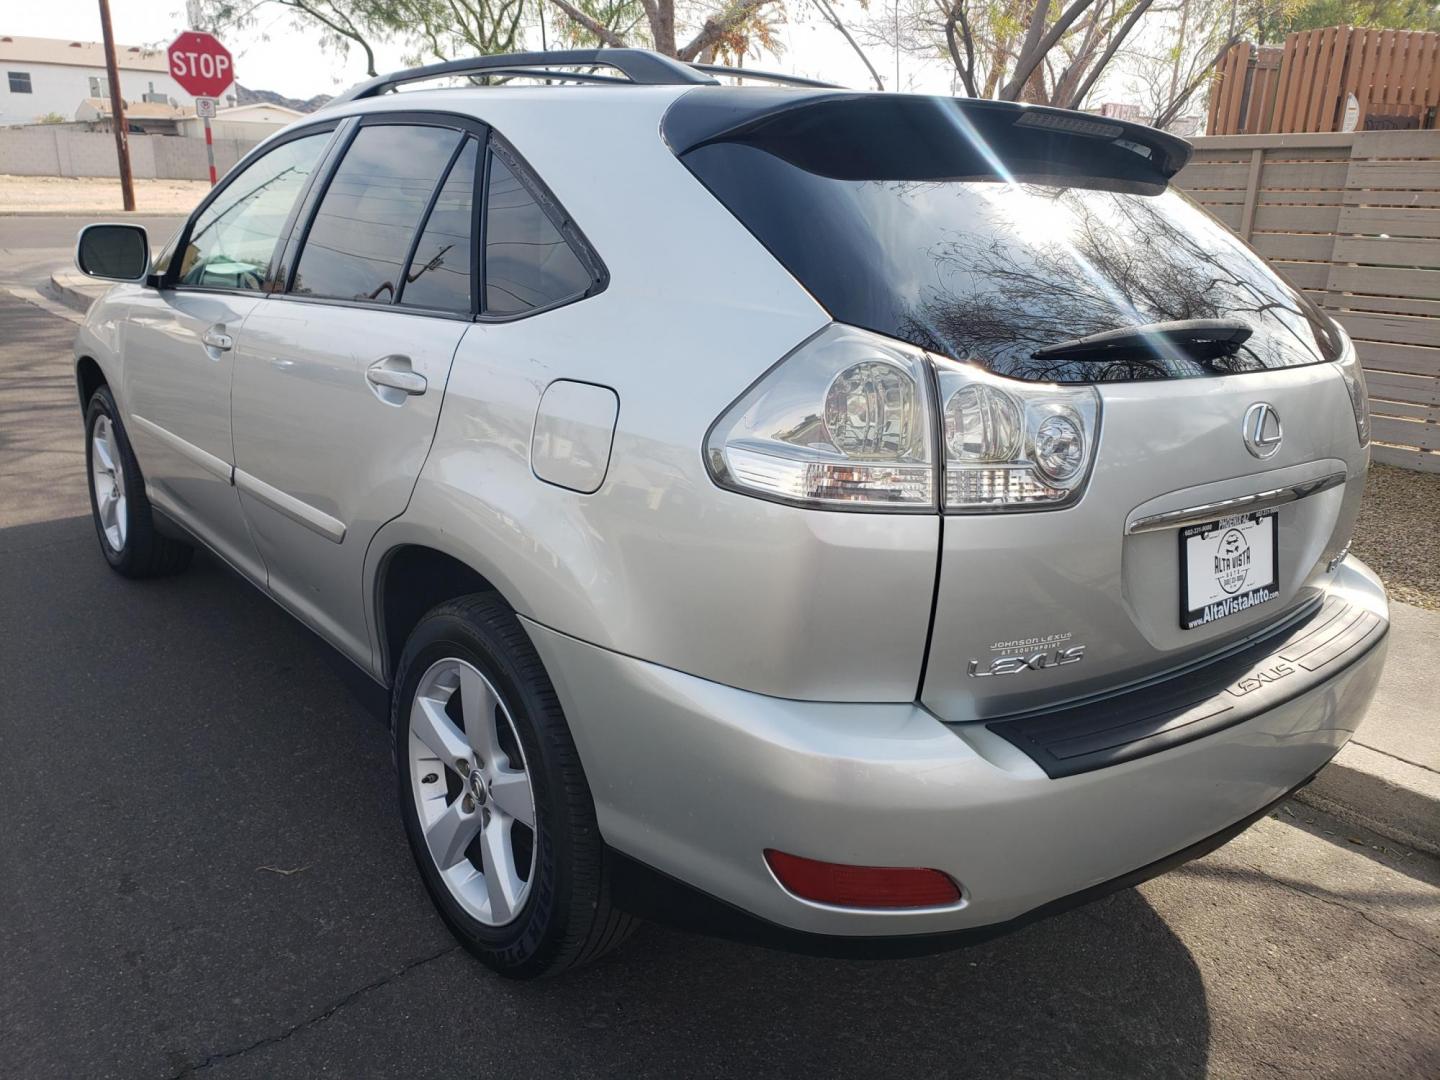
[(1398, 533), (79, 195)]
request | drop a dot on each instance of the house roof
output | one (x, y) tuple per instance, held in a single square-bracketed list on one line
[(141, 110), (239, 111), (89, 54)]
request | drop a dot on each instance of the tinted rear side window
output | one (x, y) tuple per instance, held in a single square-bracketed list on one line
[(364, 226), (528, 262), (989, 263), (439, 272)]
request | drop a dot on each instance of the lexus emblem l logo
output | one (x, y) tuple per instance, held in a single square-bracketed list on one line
[(1262, 429)]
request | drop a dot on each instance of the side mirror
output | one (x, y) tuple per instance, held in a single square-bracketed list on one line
[(113, 252)]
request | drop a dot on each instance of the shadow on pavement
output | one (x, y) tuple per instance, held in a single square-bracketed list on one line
[(201, 856)]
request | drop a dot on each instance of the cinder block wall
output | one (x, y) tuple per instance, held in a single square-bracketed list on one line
[(41, 151)]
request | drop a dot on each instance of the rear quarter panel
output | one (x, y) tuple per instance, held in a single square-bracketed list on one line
[(660, 563)]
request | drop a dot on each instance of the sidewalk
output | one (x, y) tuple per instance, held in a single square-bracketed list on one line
[(99, 195), (1387, 779)]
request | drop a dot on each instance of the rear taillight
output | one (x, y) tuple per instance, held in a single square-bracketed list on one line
[(843, 885), (1012, 445), (844, 421), (1354, 376), (852, 420)]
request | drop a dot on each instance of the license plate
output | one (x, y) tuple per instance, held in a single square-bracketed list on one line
[(1228, 566)]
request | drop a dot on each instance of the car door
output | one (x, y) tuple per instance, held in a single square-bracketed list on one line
[(338, 381), (178, 342)]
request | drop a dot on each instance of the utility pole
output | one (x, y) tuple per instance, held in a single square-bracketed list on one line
[(1180, 48), (117, 109), (897, 46)]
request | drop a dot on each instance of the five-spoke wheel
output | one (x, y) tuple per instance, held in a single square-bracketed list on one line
[(107, 479), (497, 809), (472, 791), (124, 520)]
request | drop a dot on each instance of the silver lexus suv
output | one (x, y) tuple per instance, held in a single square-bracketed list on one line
[(855, 522)]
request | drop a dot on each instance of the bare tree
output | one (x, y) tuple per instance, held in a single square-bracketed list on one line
[(733, 27), (1167, 80), (1019, 50), (831, 16)]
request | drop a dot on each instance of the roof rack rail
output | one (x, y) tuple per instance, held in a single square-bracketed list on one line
[(764, 76), (637, 65), (640, 65)]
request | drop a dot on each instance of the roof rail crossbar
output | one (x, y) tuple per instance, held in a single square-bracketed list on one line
[(764, 76), (640, 65)]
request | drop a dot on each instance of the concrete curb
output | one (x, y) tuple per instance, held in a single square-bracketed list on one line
[(75, 291), (1386, 795)]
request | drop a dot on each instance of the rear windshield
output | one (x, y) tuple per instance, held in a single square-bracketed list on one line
[(1003, 263)]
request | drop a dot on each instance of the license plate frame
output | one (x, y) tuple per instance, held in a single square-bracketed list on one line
[(1240, 574)]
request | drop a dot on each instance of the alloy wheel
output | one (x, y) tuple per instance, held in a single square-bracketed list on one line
[(472, 791), (107, 478)]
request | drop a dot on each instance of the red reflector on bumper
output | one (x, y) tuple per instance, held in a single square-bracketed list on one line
[(862, 886)]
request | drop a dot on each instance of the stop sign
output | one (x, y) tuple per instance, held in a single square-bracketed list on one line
[(200, 64)]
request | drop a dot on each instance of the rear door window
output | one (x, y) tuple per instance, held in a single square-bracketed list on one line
[(365, 224), (440, 269), (529, 263)]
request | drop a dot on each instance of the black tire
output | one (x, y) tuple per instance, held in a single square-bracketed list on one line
[(567, 918), (145, 552)]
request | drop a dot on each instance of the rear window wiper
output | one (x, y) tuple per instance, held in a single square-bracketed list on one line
[(1196, 339)]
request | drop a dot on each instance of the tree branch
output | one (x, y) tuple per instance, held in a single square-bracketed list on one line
[(1167, 114), (1115, 42), (955, 18), (599, 29), (718, 26), (834, 20), (1030, 54)]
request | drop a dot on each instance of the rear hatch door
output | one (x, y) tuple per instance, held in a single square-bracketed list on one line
[(1007, 238)]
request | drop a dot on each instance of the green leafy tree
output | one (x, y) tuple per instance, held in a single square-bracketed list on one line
[(342, 24), (442, 29), (1385, 14)]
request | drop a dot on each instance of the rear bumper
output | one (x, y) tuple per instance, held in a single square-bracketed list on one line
[(695, 780)]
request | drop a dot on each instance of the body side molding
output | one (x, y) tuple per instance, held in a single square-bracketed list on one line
[(301, 512), (206, 460)]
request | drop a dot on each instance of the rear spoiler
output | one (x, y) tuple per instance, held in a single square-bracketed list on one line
[(873, 136)]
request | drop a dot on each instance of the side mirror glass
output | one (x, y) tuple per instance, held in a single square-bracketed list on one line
[(113, 252)]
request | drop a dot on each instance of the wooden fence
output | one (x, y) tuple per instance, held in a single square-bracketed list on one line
[(1304, 85), (1353, 219)]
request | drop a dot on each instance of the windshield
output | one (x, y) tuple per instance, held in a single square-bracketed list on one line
[(994, 269)]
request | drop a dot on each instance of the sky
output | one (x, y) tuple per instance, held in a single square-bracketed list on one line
[(273, 56)]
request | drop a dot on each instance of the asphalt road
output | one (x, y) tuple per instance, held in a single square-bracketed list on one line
[(31, 245), (202, 871)]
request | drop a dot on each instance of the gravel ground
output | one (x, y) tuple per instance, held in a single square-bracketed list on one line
[(1399, 533), (72, 195)]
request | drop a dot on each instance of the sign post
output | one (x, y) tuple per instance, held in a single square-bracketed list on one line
[(205, 109), (203, 67)]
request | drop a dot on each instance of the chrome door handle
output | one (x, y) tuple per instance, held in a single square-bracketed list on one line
[(217, 339), (394, 373)]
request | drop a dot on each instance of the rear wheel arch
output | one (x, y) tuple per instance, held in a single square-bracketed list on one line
[(88, 378), (411, 580)]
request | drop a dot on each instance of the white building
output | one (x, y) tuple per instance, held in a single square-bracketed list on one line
[(253, 122), (42, 77)]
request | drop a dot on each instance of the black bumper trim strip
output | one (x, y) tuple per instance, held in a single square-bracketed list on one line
[(1200, 702)]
